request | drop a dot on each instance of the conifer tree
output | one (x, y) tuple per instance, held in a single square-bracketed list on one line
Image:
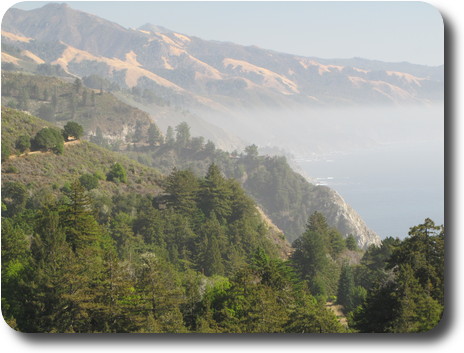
[(81, 228)]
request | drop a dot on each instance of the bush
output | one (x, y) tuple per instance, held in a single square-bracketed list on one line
[(89, 181), (23, 143), (117, 174), (49, 139), (5, 152)]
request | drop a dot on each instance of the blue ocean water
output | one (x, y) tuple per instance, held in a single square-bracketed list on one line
[(392, 186)]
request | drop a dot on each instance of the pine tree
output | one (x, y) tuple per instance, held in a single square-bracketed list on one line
[(346, 288), (82, 230)]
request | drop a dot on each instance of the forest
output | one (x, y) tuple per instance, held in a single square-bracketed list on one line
[(95, 242)]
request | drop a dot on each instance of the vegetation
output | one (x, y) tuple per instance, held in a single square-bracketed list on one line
[(72, 129), (287, 197), (49, 139), (95, 242), (60, 102)]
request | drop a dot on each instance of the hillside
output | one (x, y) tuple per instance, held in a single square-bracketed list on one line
[(284, 195), (58, 101), (207, 73), (47, 170), (48, 173)]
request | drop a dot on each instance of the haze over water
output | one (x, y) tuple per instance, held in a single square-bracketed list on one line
[(393, 186)]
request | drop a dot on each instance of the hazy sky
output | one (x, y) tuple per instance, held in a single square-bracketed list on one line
[(387, 31)]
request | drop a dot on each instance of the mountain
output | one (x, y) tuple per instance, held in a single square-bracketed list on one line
[(209, 74)]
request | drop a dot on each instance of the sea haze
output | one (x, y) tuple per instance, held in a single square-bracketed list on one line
[(392, 185), (386, 162)]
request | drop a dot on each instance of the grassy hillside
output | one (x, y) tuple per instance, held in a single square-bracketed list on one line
[(59, 100), (44, 170)]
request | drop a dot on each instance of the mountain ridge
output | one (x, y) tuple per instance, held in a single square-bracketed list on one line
[(203, 68)]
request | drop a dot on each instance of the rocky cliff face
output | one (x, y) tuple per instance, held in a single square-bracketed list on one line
[(342, 216)]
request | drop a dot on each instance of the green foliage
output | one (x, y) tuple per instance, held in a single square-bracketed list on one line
[(72, 129), (14, 197), (346, 288), (410, 297), (154, 135), (49, 139), (23, 143), (351, 243), (313, 256), (117, 174), (89, 181), (170, 140), (251, 151), (5, 152)]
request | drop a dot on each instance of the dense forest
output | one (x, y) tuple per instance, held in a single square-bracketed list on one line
[(95, 242)]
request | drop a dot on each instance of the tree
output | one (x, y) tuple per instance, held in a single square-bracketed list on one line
[(182, 134), (154, 135), (210, 147), (23, 143), (117, 173), (72, 129), (346, 288), (251, 151), (215, 194), (81, 228), (410, 297), (77, 85), (14, 196), (170, 140), (49, 139), (351, 243), (182, 191)]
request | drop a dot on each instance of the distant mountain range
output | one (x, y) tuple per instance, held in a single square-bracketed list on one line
[(209, 75)]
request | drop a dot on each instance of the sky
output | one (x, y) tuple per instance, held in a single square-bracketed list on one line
[(386, 31)]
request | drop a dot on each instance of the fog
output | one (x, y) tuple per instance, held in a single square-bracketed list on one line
[(387, 163), (315, 131)]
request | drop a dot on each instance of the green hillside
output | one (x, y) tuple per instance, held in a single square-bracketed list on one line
[(59, 100), (45, 170)]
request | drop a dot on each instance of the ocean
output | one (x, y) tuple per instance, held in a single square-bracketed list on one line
[(393, 186)]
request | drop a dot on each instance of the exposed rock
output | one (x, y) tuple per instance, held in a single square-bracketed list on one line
[(343, 217)]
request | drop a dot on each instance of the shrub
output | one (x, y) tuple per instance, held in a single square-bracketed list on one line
[(49, 139), (117, 174), (5, 152), (89, 181), (23, 143)]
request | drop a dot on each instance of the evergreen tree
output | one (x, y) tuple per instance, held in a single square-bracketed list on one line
[(215, 194), (182, 134), (170, 140), (117, 173), (154, 135), (346, 288), (181, 191), (81, 228)]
